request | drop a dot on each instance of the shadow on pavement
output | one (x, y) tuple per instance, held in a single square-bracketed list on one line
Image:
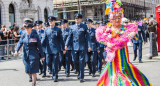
[(8, 69)]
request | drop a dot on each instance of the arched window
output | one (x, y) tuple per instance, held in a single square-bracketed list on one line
[(11, 14), (45, 15)]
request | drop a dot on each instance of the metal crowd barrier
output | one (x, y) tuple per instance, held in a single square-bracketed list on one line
[(7, 48)]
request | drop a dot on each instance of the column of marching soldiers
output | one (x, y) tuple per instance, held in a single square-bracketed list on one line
[(70, 44)]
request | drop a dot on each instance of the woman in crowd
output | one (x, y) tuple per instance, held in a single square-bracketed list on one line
[(31, 48)]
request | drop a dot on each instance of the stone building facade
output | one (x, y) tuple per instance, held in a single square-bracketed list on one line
[(95, 9), (14, 11)]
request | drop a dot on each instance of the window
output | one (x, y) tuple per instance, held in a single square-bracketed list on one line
[(11, 14)]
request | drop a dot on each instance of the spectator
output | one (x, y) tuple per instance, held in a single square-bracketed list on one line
[(144, 26), (16, 33), (22, 29), (151, 29), (11, 41), (2, 48)]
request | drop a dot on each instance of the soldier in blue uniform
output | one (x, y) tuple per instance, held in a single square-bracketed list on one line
[(46, 24), (53, 41), (68, 55), (138, 43), (100, 50), (31, 48), (40, 32), (91, 57), (81, 40)]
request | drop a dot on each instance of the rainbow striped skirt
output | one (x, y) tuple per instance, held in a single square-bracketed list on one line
[(121, 72)]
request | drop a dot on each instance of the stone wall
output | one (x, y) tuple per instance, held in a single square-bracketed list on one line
[(23, 9)]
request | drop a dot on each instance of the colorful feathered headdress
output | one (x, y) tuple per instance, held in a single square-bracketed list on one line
[(113, 8)]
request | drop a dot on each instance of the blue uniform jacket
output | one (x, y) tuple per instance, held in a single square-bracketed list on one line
[(52, 40), (80, 37), (94, 43), (32, 46), (65, 34), (140, 33), (41, 34)]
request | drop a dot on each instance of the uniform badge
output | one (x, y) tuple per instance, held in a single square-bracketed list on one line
[(33, 40)]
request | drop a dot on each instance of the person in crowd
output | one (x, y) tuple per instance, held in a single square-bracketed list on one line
[(145, 27), (40, 32), (91, 57), (21, 30), (68, 55), (138, 43), (31, 46), (81, 39), (53, 42), (16, 34), (151, 29), (118, 70)]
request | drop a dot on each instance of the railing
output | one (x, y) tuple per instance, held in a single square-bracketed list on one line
[(7, 48)]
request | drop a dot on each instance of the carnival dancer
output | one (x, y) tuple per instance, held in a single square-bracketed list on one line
[(119, 71)]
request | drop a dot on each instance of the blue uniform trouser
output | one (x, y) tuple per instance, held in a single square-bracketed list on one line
[(79, 61), (68, 59), (100, 57), (52, 61), (44, 65), (91, 61), (139, 45), (61, 60)]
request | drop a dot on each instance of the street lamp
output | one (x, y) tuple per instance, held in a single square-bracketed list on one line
[(79, 6)]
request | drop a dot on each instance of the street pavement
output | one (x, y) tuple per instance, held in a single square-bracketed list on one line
[(12, 73)]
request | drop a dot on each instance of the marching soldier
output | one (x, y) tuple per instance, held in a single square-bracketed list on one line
[(46, 24), (81, 40), (92, 55), (67, 56), (32, 47), (40, 32), (100, 50), (53, 41)]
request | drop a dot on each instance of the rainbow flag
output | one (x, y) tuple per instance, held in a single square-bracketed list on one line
[(121, 72), (136, 37)]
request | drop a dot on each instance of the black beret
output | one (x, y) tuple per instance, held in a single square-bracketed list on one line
[(89, 21), (51, 18), (77, 16)]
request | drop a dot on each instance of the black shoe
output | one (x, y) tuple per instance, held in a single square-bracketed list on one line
[(30, 79), (93, 75), (44, 75), (75, 72), (40, 73), (140, 62), (90, 73), (67, 75), (72, 69), (150, 57), (78, 77), (134, 59), (55, 80), (82, 80), (50, 72)]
